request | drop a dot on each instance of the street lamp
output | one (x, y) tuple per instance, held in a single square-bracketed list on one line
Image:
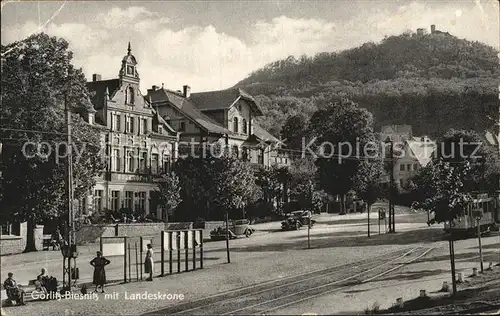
[(392, 224)]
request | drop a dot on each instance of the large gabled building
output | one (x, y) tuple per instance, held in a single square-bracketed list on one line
[(218, 119), (139, 143)]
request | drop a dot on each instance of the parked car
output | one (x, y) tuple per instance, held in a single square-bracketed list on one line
[(295, 220), (236, 228)]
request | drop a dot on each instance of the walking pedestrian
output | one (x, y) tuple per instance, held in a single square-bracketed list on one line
[(99, 262), (149, 262)]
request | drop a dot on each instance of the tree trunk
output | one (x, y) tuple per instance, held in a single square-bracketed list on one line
[(30, 236), (368, 211), (452, 262)]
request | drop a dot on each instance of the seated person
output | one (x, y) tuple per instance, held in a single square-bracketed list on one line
[(14, 293), (39, 287)]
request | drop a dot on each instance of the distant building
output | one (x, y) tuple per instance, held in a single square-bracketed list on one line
[(416, 153), (396, 133)]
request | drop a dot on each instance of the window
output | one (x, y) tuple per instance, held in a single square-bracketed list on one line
[(415, 166), (141, 201), (115, 200), (235, 125), (143, 126), (117, 122), (160, 130), (182, 128), (98, 200), (154, 163), (245, 153), (130, 70), (235, 151), (408, 167), (286, 160), (128, 124), (166, 163), (142, 162), (401, 167), (244, 126), (116, 160), (260, 157), (130, 161), (128, 203), (131, 96)]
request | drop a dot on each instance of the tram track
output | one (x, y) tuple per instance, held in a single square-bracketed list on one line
[(275, 294)]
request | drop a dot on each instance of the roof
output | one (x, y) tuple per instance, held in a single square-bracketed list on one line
[(160, 120), (99, 87), (399, 129), (186, 107), (491, 139), (222, 99), (422, 150), (263, 134)]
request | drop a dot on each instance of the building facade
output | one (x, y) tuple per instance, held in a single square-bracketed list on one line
[(209, 121), (416, 153), (139, 144)]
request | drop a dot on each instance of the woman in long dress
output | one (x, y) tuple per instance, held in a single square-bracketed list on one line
[(149, 262), (99, 263)]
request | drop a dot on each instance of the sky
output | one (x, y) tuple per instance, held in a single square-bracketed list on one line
[(211, 45)]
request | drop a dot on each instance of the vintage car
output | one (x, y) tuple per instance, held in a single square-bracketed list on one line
[(236, 228), (295, 220)]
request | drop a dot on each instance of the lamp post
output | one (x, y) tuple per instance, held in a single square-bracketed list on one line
[(392, 224)]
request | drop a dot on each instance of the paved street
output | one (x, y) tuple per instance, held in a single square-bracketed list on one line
[(344, 271)]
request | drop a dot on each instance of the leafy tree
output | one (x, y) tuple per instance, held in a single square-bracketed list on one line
[(271, 182), (346, 127), (294, 131), (169, 192), (235, 184), (228, 184), (37, 80), (368, 184), (445, 196), (467, 149), (303, 175)]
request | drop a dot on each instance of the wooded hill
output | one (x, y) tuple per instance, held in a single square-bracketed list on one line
[(433, 82)]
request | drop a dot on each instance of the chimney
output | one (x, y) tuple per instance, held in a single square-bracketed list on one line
[(96, 77), (154, 88), (433, 28), (186, 91)]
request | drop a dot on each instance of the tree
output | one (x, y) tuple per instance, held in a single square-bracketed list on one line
[(38, 79), (211, 186), (303, 175), (446, 196), (368, 184), (294, 130), (236, 187), (460, 147), (169, 195), (340, 129)]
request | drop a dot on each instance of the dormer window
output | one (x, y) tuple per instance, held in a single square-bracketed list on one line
[(245, 126)]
